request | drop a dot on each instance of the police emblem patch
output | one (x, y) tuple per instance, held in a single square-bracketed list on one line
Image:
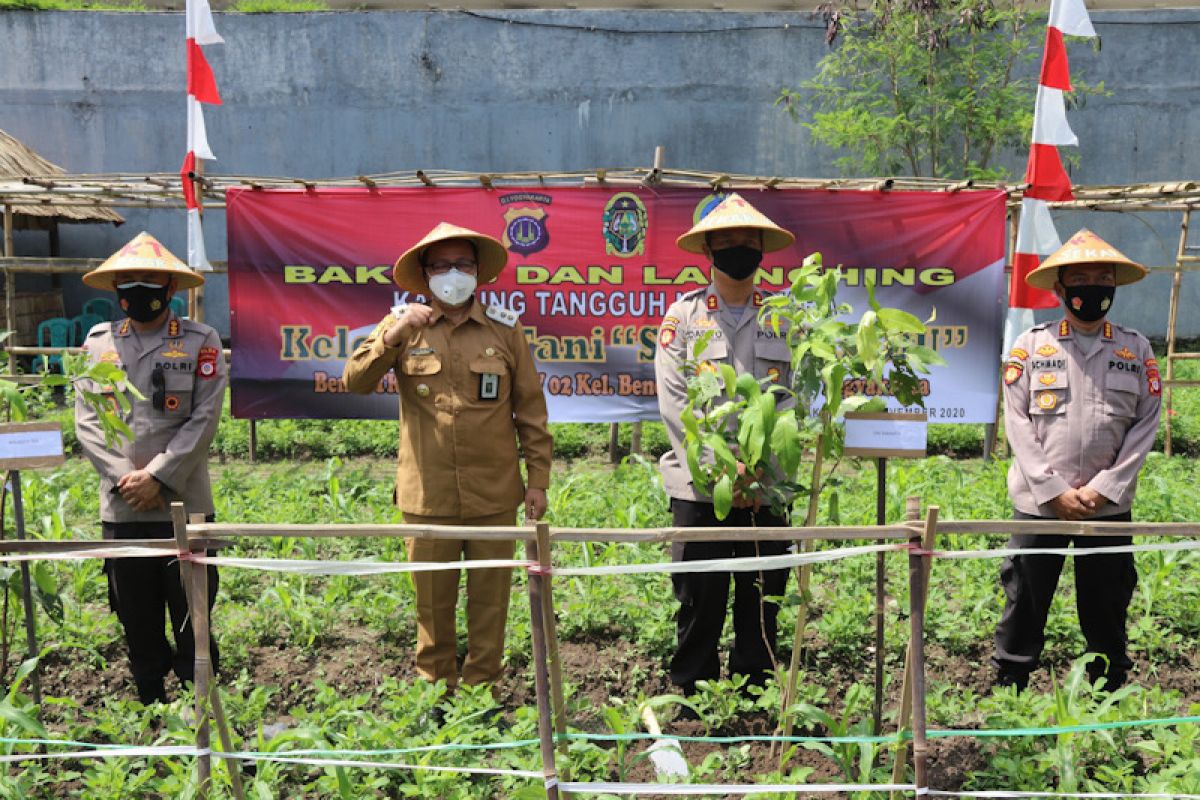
[(206, 363), (1047, 350), (1126, 354), (1012, 373), (525, 230), (625, 222), (1047, 401), (666, 335), (1048, 379)]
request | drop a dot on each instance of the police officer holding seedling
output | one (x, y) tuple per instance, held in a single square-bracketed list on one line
[(1081, 399), (733, 236), (469, 391), (178, 367)]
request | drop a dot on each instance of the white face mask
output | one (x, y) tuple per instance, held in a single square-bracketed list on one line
[(453, 288)]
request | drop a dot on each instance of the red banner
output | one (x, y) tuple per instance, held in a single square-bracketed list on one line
[(591, 273)]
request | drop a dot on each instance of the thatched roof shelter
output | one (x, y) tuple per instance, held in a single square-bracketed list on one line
[(17, 161)]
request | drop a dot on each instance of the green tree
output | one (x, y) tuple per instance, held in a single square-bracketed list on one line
[(934, 88)]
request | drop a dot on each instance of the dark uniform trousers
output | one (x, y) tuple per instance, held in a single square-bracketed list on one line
[(1104, 585), (704, 596), (138, 591)]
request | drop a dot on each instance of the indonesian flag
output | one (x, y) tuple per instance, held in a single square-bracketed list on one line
[(1048, 180), (201, 88)]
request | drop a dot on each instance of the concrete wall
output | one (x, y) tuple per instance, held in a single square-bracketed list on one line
[(336, 94)]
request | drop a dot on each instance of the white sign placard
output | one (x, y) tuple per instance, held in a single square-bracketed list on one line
[(886, 435), (31, 445)]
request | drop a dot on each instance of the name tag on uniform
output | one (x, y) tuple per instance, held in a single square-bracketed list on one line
[(489, 386)]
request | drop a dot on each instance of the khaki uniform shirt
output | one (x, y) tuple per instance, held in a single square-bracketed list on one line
[(1078, 418), (740, 342), (468, 392), (172, 427)]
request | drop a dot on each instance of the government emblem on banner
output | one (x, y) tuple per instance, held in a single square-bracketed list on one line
[(525, 230), (625, 223), (707, 204)]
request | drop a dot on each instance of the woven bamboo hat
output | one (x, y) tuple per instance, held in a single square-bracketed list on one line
[(409, 274), (1085, 247), (143, 254), (735, 212)]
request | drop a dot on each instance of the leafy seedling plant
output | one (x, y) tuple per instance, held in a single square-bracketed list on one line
[(747, 437)]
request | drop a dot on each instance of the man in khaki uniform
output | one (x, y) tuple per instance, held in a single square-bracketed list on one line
[(177, 364), (733, 236), (1081, 408), (469, 391)]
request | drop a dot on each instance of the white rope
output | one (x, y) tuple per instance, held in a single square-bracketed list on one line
[(744, 564), (353, 567), (1098, 795), (341, 762), (636, 789), (110, 751), (116, 551), (1063, 551)]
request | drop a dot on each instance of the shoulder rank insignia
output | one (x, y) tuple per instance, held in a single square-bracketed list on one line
[(1019, 354), (173, 328), (1047, 379), (1108, 330), (502, 315), (1064, 329), (1126, 354), (712, 304), (758, 299), (124, 329), (1012, 373), (1047, 400), (1047, 350)]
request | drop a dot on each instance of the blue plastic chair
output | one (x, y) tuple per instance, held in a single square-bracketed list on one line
[(102, 307), (54, 332), (84, 323), (179, 306)]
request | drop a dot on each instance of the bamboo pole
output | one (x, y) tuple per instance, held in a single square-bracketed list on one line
[(918, 581), (541, 677), (10, 288), (1172, 318), (880, 595), (197, 594), (550, 620), (912, 512)]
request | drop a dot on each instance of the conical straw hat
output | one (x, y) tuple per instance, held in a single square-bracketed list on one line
[(1085, 247), (143, 254), (735, 212), (408, 273)]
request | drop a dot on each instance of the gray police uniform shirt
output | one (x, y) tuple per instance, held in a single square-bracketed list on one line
[(1077, 417), (172, 427), (738, 341)]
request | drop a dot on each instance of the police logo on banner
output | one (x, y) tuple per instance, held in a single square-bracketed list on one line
[(625, 222), (525, 230)]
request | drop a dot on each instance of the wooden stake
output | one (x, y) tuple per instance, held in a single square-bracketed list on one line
[(192, 588), (613, 442), (1172, 318), (880, 595), (541, 676), (10, 287), (912, 514), (550, 621)]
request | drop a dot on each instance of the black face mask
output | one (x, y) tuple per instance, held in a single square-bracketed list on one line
[(737, 262), (142, 303), (1089, 303)]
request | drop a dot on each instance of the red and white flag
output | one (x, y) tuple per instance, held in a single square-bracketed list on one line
[(1047, 180), (201, 88)]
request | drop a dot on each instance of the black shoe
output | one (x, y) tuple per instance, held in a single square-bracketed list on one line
[(1017, 679), (434, 717), (151, 692)]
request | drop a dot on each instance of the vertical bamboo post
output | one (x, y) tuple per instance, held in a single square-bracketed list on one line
[(541, 677), (918, 581), (197, 580), (635, 438), (253, 439), (614, 433), (1172, 317), (880, 592), (31, 641), (10, 289), (912, 514), (550, 621)]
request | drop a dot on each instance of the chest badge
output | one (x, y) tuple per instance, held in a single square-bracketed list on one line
[(1126, 354), (1047, 350), (1047, 401), (1048, 379), (489, 386), (173, 350)]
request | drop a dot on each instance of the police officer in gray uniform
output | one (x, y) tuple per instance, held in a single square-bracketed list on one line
[(1081, 408), (177, 364), (734, 236)]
